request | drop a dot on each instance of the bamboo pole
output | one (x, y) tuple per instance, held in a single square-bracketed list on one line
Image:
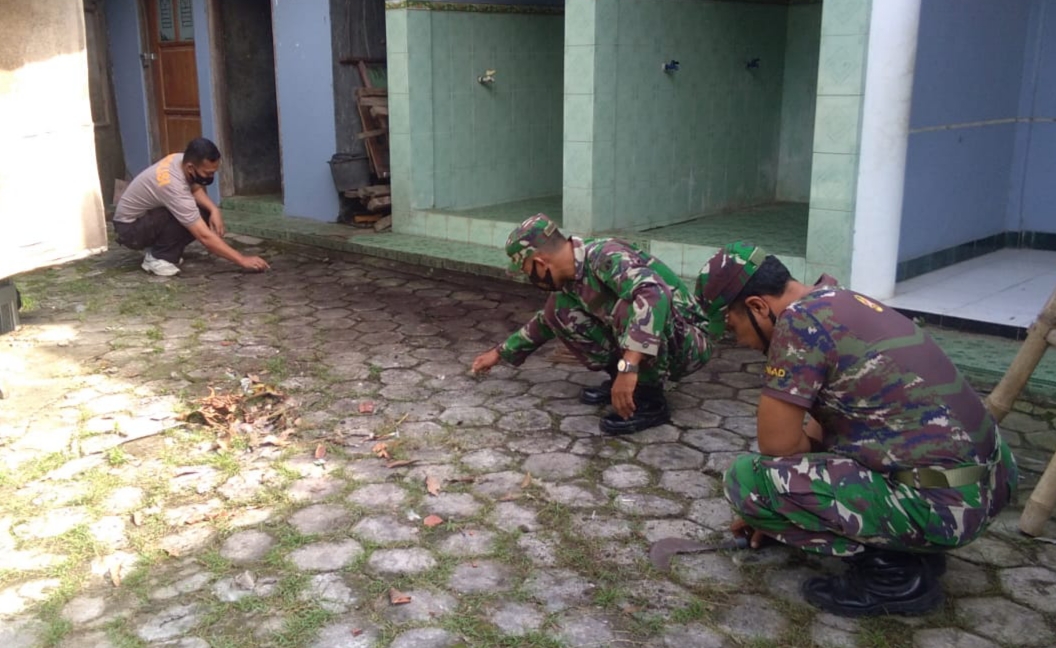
[(1000, 401), (1041, 503)]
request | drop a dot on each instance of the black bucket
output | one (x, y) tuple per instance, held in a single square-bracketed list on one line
[(350, 171)]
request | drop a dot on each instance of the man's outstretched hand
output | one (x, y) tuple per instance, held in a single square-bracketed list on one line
[(255, 263), (740, 529), (623, 394), (485, 361)]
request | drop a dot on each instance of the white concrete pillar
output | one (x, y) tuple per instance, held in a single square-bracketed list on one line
[(890, 61)]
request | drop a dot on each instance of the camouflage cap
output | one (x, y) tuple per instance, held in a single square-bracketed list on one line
[(527, 239), (723, 278)]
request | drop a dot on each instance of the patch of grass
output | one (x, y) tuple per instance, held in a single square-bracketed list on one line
[(116, 456), (277, 367), (608, 597), (695, 611), (302, 625), (32, 470), (119, 634), (881, 632), (375, 372), (55, 629), (214, 562), (154, 334), (225, 462), (150, 299)]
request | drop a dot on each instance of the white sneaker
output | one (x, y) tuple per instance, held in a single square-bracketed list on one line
[(160, 267)]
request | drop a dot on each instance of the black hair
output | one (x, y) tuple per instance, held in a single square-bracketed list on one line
[(553, 242), (199, 150), (769, 280)]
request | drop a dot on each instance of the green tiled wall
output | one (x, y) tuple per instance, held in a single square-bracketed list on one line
[(799, 92), (703, 139), (834, 168), (490, 143)]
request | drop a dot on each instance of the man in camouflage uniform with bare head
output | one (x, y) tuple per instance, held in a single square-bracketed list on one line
[(617, 309), (899, 460)]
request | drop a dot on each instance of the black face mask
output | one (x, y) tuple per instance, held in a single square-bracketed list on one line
[(205, 181), (545, 282), (759, 331)]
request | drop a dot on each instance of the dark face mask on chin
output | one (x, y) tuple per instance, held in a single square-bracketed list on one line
[(545, 282), (205, 181)]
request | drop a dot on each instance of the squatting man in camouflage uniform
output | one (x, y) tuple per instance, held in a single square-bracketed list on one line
[(617, 309), (899, 462)]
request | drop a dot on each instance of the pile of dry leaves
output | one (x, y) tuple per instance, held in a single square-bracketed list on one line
[(259, 414)]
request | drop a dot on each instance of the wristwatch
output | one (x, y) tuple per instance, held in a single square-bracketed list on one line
[(626, 367)]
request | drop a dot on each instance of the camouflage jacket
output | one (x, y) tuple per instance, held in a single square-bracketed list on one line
[(610, 275), (882, 389)]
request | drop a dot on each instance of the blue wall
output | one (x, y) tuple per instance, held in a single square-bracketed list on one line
[(1032, 198), (982, 157), (203, 63), (304, 85), (966, 96), (122, 20)]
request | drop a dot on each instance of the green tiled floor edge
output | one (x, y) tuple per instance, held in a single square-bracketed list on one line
[(982, 358), (269, 204), (419, 250)]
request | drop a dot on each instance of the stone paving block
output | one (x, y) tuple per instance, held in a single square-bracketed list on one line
[(992, 551), (642, 504), (425, 606), (315, 489), (424, 638), (401, 561), (558, 589), (468, 416), (694, 635), (468, 542), (247, 546), (509, 516), (170, 623), (581, 426), (379, 497), (658, 434), (249, 517), (384, 530), (487, 460), (595, 526), (752, 618), (713, 513), (577, 495), (714, 440), (326, 556), (330, 592), (452, 506), (719, 462), (554, 465), (480, 576), (690, 483), (321, 518), (539, 442), (234, 588), (1034, 587), (539, 548), (349, 633), (187, 541), (516, 619), (625, 476), (190, 583), (671, 456), (1004, 621), (949, 638), (589, 631), (83, 609), (654, 530)]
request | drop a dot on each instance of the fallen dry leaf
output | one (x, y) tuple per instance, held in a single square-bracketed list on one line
[(508, 497), (357, 631), (396, 597), (527, 481), (137, 518), (320, 451), (253, 378), (631, 609), (382, 450), (401, 463), (432, 484), (464, 480), (115, 573), (366, 407), (226, 343), (432, 521)]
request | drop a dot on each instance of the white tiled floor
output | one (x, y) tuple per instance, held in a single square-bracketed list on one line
[(1005, 287)]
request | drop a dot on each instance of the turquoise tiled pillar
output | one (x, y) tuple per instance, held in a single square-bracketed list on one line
[(399, 118), (837, 134), (590, 117)]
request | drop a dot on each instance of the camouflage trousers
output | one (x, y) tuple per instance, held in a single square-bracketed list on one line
[(832, 505), (684, 348)]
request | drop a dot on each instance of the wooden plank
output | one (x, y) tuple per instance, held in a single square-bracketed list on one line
[(379, 111), (373, 101), (375, 190), (377, 132), (366, 218), (379, 202)]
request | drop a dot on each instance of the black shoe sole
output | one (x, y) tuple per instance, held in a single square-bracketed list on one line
[(594, 399), (617, 426), (920, 606)]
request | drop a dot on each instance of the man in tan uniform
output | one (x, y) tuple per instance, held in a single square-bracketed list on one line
[(166, 208)]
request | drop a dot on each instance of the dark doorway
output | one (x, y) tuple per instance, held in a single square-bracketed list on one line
[(252, 155)]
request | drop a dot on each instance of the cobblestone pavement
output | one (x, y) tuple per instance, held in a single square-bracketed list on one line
[(122, 524)]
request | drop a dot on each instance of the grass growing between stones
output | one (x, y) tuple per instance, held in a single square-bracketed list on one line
[(880, 632), (121, 636)]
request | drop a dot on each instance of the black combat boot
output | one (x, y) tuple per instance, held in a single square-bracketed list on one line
[(600, 395), (650, 410), (878, 582)]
